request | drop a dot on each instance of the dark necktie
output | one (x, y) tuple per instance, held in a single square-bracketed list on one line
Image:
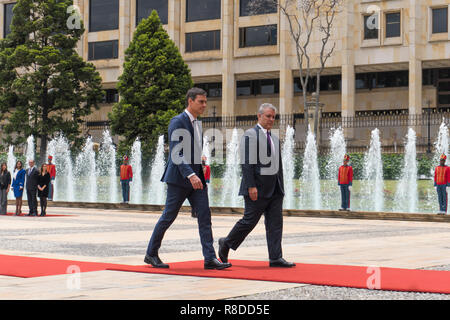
[(269, 144)]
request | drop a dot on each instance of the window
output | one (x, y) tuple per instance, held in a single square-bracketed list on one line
[(197, 10), (203, 41), (103, 50), (8, 18), (389, 79), (111, 96), (252, 7), (370, 28), (440, 20), (103, 15), (429, 77), (213, 89), (327, 83), (258, 36), (244, 88), (145, 7), (444, 99), (393, 25), (257, 87)]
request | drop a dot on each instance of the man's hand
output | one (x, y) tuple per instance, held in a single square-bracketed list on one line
[(196, 182), (253, 193)]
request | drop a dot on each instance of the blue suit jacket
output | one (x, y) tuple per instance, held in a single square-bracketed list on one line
[(19, 181), (176, 172)]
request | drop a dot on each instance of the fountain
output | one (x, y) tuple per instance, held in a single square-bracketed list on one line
[(136, 164), (29, 154), (86, 173), (59, 148), (331, 194), (440, 147), (207, 153), (406, 196), (310, 195), (93, 177), (107, 167), (373, 184), (11, 163), (230, 181), (157, 188), (441, 144), (289, 168)]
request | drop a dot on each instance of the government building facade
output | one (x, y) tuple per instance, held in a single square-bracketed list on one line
[(242, 58)]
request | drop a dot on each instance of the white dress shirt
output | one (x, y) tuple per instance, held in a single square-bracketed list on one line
[(197, 133), (265, 134)]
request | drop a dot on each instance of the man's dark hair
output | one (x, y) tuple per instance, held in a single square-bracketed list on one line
[(193, 93)]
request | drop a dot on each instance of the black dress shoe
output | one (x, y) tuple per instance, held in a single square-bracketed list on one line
[(216, 264), (155, 261), (223, 250), (281, 263)]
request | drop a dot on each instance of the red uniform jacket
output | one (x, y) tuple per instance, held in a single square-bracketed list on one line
[(345, 175), (441, 176), (51, 168), (126, 173), (207, 173)]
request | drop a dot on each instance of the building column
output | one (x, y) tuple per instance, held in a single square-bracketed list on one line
[(348, 67), (415, 58), (286, 77), (124, 30), (228, 78), (174, 16)]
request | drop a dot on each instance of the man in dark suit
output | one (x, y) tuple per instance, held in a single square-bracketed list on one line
[(31, 183), (185, 180), (262, 187)]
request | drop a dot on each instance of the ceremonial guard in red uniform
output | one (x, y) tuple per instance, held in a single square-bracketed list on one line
[(51, 169), (345, 180), (126, 176), (441, 181)]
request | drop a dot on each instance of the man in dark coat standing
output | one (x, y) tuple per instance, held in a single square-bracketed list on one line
[(185, 180), (262, 187), (31, 183)]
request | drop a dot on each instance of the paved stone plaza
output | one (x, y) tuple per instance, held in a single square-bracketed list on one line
[(121, 236)]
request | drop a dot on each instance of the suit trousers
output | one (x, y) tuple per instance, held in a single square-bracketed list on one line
[(125, 190), (3, 201), (442, 197), (32, 200), (273, 220), (200, 203), (345, 196)]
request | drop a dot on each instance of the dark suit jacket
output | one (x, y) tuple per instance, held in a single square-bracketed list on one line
[(264, 173), (32, 180), (188, 155), (43, 180)]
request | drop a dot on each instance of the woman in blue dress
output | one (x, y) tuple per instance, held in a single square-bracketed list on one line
[(18, 185)]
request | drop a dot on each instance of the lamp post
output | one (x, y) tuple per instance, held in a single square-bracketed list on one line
[(428, 127)]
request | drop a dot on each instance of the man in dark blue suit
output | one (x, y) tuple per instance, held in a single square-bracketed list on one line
[(185, 180), (262, 187)]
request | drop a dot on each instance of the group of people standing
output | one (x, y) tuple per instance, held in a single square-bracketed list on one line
[(36, 183)]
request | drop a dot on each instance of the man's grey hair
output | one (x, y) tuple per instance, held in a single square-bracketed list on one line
[(265, 106)]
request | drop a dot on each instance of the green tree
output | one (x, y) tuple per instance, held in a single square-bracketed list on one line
[(152, 87), (45, 86)]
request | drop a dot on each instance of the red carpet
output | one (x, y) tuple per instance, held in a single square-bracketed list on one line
[(38, 216), (29, 267), (317, 274)]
